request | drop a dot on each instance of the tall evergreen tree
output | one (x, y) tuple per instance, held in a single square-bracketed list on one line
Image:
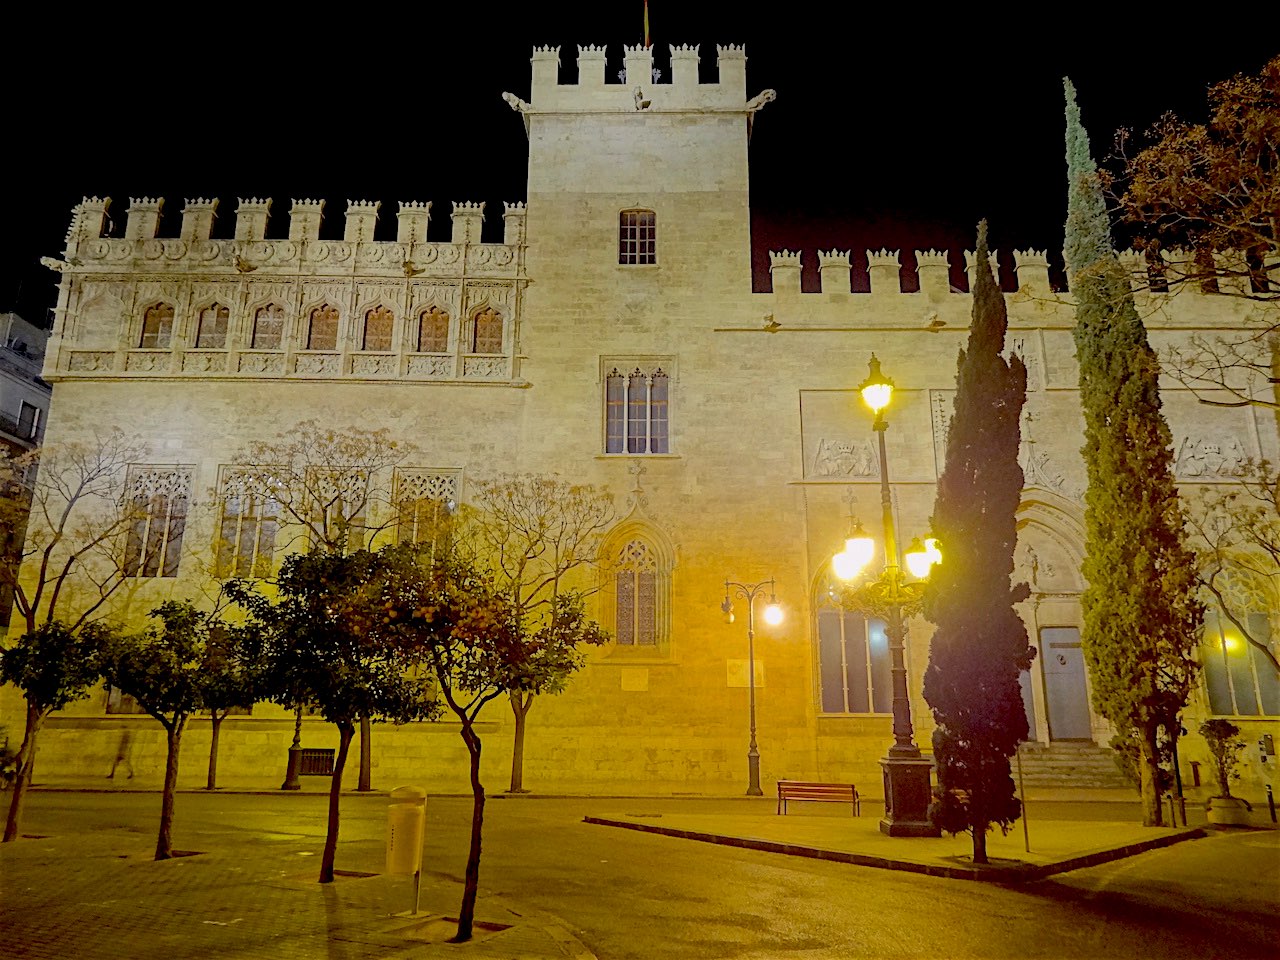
[(980, 645), (1141, 616)]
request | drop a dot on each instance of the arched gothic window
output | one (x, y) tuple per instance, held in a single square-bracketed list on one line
[(211, 334), (433, 331), (378, 324), (322, 332), (635, 582), (157, 499), (157, 327), (486, 332), (268, 327)]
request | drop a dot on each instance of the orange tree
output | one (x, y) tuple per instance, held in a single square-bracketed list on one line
[(174, 670), (449, 615), (318, 648), (53, 664)]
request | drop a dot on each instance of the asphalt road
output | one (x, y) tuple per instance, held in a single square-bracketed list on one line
[(633, 895)]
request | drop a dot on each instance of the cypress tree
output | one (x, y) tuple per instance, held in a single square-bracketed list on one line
[(1141, 620), (980, 645)]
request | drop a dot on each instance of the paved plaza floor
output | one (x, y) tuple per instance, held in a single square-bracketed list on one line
[(253, 894)]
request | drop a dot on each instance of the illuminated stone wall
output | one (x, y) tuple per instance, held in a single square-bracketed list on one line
[(767, 439)]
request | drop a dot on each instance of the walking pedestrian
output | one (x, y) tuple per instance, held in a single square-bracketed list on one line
[(124, 754)]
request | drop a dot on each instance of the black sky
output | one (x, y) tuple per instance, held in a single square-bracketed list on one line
[(885, 133)]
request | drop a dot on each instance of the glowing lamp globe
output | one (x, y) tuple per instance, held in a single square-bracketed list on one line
[(917, 559), (877, 389), (857, 553), (773, 614)]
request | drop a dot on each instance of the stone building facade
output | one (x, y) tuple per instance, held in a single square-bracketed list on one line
[(612, 337)]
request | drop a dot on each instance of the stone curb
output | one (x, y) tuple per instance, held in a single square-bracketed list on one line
[(1022, 873)]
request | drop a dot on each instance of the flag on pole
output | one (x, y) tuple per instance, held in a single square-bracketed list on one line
[(646, 25)]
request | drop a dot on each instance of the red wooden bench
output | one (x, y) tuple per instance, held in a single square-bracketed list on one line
[(806, 790)]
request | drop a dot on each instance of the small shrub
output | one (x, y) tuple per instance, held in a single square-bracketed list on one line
[(1226, 745)]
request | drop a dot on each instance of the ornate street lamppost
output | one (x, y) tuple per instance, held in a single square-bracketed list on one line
[(773, 617), (893, 597)]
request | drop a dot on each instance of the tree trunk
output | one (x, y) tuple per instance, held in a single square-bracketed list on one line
[(26, 761), (1149, 777), (164, 840), (466, 915), (215, 731), (979, 831), (366, 755), (346, 731), (520, 708)]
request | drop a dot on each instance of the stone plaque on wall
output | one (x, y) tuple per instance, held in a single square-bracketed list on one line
[(840, 445)]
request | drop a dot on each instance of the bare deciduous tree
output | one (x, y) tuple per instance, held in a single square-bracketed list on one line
[(318, 487), (1237, 543), (533, 532), (1203, 201), (64, 512)]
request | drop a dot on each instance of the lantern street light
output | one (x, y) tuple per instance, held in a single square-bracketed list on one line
[(773, 617), (893, 597)]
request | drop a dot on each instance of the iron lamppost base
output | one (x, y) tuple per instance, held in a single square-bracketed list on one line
[(907, 793)]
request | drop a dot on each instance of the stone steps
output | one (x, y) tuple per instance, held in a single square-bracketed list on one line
[(1069, 765)]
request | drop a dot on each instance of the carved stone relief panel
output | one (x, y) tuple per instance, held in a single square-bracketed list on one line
[(839, 444), (371, 254), (1212, 444), (367, 366), (845, 458), (1028, 346), (148, 361), (102, 316), (261, 292), (274, 253), (1044, 563), (485, 368), (370, 295), (443, 295), (171, 291), (328, 252), (415, 484), (226, 293), (1040, 467), (490, 258), (1207, 457), (318, 364), (267, 364), (496, 294), (941, 407), (164, 249), (431, 368), (200, 362), (91, 361), (315, 292)]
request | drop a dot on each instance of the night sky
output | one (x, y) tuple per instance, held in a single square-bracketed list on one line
[(885, 133)]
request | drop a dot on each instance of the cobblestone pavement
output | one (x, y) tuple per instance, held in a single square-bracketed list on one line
[(102, 895), (249, 891)]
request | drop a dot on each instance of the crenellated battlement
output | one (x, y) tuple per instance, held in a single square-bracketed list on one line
[(601, 89), (886, 274), (194, 250)]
